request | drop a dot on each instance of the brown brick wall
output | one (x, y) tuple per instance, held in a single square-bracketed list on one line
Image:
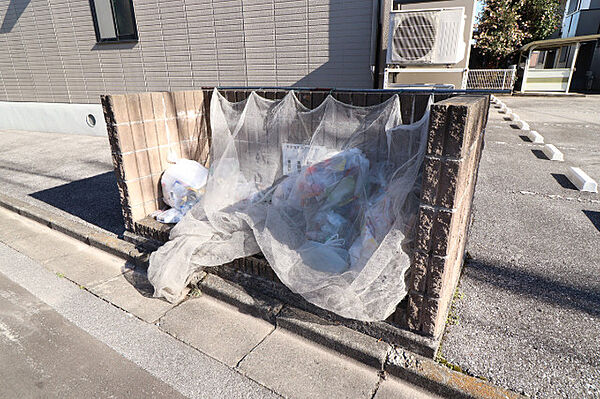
[(454, 146)]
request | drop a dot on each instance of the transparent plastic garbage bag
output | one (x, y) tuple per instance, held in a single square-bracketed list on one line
[(329, 196), (182, 186)]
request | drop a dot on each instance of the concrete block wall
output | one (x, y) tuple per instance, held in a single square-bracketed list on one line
[(144, 127), (454, 148)]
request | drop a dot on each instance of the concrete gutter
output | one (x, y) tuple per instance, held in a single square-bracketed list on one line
[(386, 358)]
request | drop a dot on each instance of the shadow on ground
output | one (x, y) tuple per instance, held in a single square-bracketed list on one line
[(594, 218), (539, 154), (537, 286), (139, 280), (94, 199), (564, 181)]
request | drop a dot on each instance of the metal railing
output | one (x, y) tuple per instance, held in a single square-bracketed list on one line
[(492, 79)]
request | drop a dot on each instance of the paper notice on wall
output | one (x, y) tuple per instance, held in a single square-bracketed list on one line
[(298, 156)]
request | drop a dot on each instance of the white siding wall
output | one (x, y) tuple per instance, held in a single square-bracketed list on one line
[(49, 54)]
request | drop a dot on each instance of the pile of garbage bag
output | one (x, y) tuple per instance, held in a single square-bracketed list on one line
[(329, 196)]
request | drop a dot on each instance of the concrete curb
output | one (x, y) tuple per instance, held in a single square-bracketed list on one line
[(582, 180), (521, 124), (553, 153), (535, 137), (440, 379), (259, 287), (355, 345), (545, 94), (104, 241)]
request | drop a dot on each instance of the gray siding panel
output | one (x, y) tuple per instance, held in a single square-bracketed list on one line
[(49, 51)]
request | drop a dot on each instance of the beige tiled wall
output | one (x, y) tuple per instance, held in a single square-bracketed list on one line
[(48, 49), (143, 128)]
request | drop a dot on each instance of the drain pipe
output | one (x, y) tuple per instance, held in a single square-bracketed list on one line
[(376, 43), (381, 11)]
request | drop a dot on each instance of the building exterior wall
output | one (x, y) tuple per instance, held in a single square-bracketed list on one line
[(582, 17), (49, 51)]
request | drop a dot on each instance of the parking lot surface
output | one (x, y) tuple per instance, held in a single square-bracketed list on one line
[(527, 312)]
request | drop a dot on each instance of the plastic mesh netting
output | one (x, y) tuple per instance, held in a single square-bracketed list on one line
[(329, 196)]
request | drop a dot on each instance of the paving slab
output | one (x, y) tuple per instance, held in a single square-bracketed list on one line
[(215, 328), (394, 388), (58, 252), (361, 347), (14, 228), (132, 292), (89, 267), (296, 368), (47, 245), (251, 303), (50, 357)]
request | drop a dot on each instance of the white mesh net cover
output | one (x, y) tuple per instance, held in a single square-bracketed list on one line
[(329, 196)]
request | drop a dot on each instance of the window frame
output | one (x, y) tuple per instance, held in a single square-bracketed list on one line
[(134, 38), (568, 7)]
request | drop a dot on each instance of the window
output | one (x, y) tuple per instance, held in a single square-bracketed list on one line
[(564, 56), (573, 6), (533, 60), (114, 20), (550, 59)]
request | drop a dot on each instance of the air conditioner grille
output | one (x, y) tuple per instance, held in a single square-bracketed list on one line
[(424, 37), (414, 37)]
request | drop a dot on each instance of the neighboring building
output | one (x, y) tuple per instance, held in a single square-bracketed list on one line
[(72, 51), (569, 61), (582, 17)]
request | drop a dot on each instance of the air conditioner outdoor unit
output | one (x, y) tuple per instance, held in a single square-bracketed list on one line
[(425, 37)]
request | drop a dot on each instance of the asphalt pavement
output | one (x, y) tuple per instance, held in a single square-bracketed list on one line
[(528, 311), (69, 174)]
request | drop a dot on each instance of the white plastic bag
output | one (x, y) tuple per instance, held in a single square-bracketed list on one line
[(183, 183)]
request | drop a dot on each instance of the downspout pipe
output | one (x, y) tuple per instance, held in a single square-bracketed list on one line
[(376, 43)]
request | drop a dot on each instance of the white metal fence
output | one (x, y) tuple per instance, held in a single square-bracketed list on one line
[(493, 79)]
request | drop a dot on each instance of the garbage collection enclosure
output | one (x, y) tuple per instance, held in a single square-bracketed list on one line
[(147, 129)]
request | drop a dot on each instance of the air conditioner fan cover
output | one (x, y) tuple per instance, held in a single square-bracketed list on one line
[(414, 37)]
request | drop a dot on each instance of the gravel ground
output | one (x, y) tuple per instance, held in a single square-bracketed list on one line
[(529, 314)]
